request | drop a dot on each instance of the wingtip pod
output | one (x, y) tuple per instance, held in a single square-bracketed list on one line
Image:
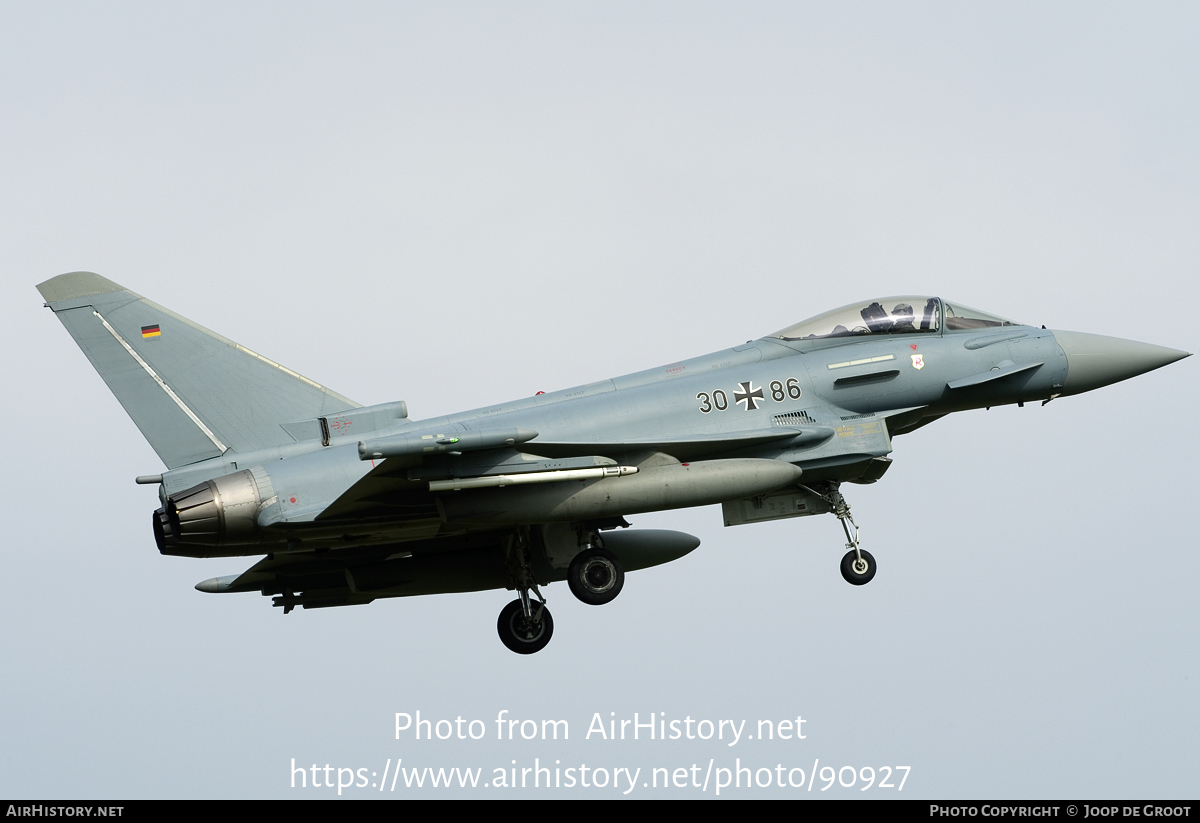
[(76, 284)]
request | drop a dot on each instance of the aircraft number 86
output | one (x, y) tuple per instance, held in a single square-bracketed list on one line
[(717, 399)]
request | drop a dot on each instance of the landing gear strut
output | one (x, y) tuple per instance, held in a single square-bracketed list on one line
[(858, 566), (524, 627)]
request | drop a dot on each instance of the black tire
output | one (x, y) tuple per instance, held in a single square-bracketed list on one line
[(857, 577), (596, 576), (518, 635)]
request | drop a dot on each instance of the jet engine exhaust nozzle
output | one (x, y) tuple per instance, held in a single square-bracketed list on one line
[(216, 512)]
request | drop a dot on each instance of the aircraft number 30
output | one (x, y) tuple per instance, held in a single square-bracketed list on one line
[(748, 395)]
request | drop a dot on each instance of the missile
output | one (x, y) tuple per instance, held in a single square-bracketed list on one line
[(524, 478)]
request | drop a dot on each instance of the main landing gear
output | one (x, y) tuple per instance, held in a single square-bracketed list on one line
[(858, 565), (595, 577), (525, 627)]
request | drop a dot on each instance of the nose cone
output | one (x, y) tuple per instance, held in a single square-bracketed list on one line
[(1094, 360)]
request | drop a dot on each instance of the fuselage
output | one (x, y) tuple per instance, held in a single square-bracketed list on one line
[(858, 392), (821, 399)]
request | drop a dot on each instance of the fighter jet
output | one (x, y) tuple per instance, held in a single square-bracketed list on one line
[(349, 503)]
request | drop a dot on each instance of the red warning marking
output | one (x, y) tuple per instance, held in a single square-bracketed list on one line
[(292, 499), (912, 346)]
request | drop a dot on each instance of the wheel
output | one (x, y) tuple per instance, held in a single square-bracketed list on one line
[(596, 576), (520, 635), (856, 572)]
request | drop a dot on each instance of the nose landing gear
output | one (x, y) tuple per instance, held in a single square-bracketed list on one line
[(858, 565)]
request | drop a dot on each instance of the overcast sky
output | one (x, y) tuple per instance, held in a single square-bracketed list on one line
[(456, 204)]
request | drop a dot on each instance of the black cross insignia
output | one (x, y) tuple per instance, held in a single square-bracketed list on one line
[(747, 395)]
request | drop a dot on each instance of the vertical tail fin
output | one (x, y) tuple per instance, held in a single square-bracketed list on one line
[(193, 393)]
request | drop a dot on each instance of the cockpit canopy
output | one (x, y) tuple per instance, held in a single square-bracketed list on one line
[(892, 315)]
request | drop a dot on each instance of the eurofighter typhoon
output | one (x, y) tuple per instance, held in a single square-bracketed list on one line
[(348, 504)]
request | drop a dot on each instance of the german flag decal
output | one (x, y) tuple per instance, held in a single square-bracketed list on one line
[(151, 331)]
